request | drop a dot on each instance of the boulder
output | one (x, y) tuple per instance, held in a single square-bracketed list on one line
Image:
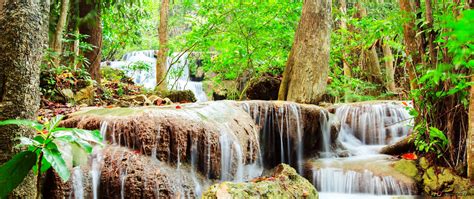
[(263, 88), (185, 96), (284, 182), (211, 134)]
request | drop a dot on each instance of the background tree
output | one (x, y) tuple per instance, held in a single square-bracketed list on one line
[(306, 72), (162, 54), (90, 25), (23, 37)]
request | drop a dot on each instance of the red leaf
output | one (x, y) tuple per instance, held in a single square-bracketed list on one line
[(409, 156), (405, 103), (178, 107)]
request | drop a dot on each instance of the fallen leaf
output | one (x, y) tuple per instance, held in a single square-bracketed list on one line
[(178, 107), (409, 156)]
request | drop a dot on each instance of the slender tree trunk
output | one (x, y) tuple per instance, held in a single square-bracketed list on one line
[(470, 141), (411, 44), (57, 42), (23, 38), (345, 65), (432, 34), (94, 31), (306, 72), (375, 75), (163, 51), (389, 69)]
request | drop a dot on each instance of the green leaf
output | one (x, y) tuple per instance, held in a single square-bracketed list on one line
[(52, 155), (54, 122), (14, 171), (91, 136), (28, 123)]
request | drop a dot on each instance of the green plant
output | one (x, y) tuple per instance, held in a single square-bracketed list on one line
[(43, 151)]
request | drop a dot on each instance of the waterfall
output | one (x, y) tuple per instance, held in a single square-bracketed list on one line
[(177, 79), (281, 134), (365, 128)]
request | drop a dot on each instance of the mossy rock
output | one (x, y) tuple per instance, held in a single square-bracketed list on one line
[(408, 168), (185, 96), (283, 183), (263, 88), (440, 180)]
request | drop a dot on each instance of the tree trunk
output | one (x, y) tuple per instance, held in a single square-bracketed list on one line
[(432, 34), (345, 65), (306, 72), (94, 30), (470, 141), (23, 37), (57, 42), (373, 62), (411, 45), (163, 51), (389, 69)]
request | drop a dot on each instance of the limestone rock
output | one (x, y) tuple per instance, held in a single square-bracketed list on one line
[(175, 133), (284, 182)]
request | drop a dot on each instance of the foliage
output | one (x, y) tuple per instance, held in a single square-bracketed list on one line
[(128, 27), (442, 97), (243, 38), (381, 24), (43, 152)]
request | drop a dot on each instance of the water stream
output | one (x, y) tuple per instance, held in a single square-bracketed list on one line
[(178, 77)]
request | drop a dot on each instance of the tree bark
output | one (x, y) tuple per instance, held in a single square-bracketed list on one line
[(432, 35), (373, 62), (306, 72), (345, 65), (411, 44), (470, 141), (23, 38), (57, 42), (94, 30), (389, 69), (163, 51)]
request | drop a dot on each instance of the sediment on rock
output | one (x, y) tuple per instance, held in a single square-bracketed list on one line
[(174, 134), (126, 173)]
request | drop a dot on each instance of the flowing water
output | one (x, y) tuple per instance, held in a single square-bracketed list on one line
[(178, 77), (348, 166), (365, 128)]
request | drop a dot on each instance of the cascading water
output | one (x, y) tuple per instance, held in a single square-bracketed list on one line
[(177, 79), (365, 128)]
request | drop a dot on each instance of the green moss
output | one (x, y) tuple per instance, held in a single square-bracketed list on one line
[(283, 183), (408, 168)]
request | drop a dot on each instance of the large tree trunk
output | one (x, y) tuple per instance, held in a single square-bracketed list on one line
[(163, 51), (411, 44), (57, 43), (94, 30), (389, 69), (23, 37), (306, 72)]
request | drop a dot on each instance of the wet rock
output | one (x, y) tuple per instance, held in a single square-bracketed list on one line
[(136, 99), (185, 96), (263, 88), (284, 182), (127, 174), (178, 134), (403, 146), (287, 128)]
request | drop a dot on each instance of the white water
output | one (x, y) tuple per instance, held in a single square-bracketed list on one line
[(364, 130), (177, 79), (97, 162)]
